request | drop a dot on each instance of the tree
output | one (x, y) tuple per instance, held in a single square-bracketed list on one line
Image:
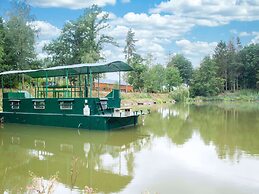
[(184, 66), (81, 41), (19, 37), (249, 57), (205, 81), (220, 58), (154, 78), (173, 77), (136, 77), (2, 37), (130, 49)]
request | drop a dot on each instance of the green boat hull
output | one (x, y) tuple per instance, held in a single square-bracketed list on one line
[(95, 122)]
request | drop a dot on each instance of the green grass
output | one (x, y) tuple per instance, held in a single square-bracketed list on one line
[(241, 95), (137, 97)]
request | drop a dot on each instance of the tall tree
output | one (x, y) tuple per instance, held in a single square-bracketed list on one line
[(129, 49), (2, 37), (249, 57), (173, 77), (220, 57), (154, 78), (19, 37), (205, 81), (82, 40), (183, 65), (137, 77)]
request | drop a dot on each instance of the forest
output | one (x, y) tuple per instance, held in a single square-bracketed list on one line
[(230, 67)]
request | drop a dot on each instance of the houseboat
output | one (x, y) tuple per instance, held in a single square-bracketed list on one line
[(46, 101)]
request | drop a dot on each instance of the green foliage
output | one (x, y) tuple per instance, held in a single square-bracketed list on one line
[(130, 49), (154, 79), (136, 77), (220, 58), (173, 77), (19, 37), (81, 41), (205, 81), (249, 57), (180, 93), (2, 37), (184, 66)]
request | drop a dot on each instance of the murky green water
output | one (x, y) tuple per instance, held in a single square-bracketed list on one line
[(177, 149)]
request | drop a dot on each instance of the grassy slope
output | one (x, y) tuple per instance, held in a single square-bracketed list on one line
[(241, 95)]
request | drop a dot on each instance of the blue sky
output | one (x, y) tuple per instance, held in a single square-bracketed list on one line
[(162, 28)]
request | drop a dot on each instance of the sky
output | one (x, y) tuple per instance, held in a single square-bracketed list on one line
[(163, 28)]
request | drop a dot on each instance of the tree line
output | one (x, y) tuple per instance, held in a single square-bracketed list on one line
[(231, 67)]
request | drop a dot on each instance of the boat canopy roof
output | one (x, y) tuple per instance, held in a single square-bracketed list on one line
[(76, 69)]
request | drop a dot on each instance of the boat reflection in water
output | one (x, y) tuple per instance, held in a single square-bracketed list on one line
[(100, 160)]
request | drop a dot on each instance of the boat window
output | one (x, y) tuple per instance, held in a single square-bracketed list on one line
[(39, 105), (103, 102), (15, 104), (66, 105)]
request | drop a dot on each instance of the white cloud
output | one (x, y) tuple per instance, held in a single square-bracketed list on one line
[(256, 38), (45, 30), (254, 35), (196, 51), (211, 12), (46, 33), (154, 32), (70, 4)]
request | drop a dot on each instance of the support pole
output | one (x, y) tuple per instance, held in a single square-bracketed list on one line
[(98, 85), (54, 88), (30, 85), (37, 80), (67, 82), (119, 83), (20, 85), (22, 82), (91, 83), (80, 86), (86, 86), (10, 83), (2, 86), (47, 85)]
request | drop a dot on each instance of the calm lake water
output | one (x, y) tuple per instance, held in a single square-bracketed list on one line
[(177, 149)]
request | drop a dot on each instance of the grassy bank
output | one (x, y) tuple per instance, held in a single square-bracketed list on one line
[(241, 95), (144, 98)]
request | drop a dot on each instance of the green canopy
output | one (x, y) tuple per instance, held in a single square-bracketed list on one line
[(76, 69)]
